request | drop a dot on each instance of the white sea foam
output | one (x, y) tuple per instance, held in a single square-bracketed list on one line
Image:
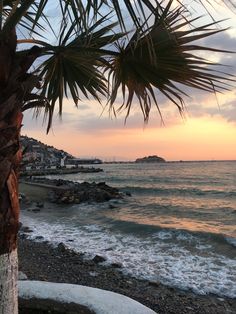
[(151, 258)]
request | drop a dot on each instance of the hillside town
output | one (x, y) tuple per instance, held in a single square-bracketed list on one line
[(39, 156)]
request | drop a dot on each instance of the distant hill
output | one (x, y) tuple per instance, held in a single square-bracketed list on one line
[(36, 152), (150, 159)]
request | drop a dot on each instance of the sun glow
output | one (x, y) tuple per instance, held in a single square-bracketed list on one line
[(203, 138)]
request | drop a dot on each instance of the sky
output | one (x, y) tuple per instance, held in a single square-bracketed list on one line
[(207, 132)]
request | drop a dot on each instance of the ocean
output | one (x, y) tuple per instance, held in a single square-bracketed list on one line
[(178, 227)]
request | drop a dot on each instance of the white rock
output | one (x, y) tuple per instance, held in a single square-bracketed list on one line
[(98, 300)]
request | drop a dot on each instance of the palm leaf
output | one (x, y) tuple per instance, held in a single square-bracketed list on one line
[(73, 68), (26, 15), (159, 58), (155, 58)]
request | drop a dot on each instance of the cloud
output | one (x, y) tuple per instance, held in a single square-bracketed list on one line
[(83, 107), (226, 110)]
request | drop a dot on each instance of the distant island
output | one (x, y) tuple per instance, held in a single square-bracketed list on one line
[(150, 159)]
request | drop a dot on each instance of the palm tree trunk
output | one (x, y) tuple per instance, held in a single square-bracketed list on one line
[(15, 85), (10, 156), (8, 283)]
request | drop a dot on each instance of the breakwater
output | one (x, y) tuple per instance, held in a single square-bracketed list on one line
[(60, 171)]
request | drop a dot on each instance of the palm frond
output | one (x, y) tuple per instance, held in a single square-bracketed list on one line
[(27, 15), (159, 59), (73, 68)]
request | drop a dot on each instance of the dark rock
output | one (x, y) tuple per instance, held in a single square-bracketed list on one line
[(99, 259), (154, 283), (112, 206), (36, 209), (109, 249), (26, 229), (61, 246), (40, 204), (128, 193), (117, 265), (22, 236)]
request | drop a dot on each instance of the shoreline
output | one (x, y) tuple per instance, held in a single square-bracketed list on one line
[(43, 261), (59, 171)]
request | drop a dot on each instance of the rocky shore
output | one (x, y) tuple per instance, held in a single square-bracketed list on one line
[(41, 261), (68, 192)]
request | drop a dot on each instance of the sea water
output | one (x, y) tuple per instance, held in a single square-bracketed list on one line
[(178, 227)]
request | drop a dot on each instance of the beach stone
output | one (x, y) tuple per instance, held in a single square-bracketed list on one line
[(61, 246), (112, 206), (26, 229), (22, 236), (35, 210), (109, 249), (117, 265), (99, 259), (40, 204), (154, 283)]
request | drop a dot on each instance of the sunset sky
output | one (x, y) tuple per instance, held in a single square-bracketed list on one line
[(208, 131)]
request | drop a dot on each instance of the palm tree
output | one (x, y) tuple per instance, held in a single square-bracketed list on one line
[(92, 50)]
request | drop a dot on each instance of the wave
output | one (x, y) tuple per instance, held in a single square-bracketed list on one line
[(180, 191), (172, 234), (147, 258)]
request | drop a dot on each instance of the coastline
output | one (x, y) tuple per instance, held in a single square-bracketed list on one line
[(42, 261)]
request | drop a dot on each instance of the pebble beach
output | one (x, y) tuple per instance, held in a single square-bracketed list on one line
[(168, 242), (42, 261)]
